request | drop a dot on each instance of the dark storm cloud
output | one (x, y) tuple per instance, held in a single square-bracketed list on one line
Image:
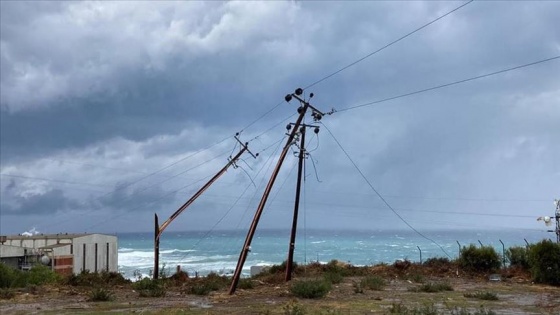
[(48, 203)]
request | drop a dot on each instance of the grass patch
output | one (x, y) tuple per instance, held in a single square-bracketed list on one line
[(150, 287), (213, 282), (101, 295), (246, 284), (416, 278), (333, 277), (310, 289), (7, 294), (373, 283), (487, 296), (294, 308), (433, 287)]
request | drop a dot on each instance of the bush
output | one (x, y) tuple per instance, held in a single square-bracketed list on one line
[(274, 269), (333, 277), (294, 308), (150, 287), (488, 296), (432, 287), (437, 262), (310, 289), (246, 284), (373, 283), (101, 295), (518, 256), (7, 276), (544, 261), (483, 258), (88, 279)]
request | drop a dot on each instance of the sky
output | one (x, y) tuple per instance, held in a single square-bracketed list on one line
[(114, 111)]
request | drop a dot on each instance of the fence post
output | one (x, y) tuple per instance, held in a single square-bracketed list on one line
[(459, 248), (420, 254), (503, 253)]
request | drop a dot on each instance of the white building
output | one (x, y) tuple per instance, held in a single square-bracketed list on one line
[(67, 253)]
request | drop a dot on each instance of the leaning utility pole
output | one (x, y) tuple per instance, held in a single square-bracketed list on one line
[(159, 229), (301, 156), (317, 115)]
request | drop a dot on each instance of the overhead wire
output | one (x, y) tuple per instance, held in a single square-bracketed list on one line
[(448, 84), (387, 45), (269, 159), (380, 196)]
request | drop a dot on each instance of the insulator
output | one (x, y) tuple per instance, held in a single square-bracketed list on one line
[(299, 91), (237, 134), (311, 95), (318, 116), (300, 110), (289, 126), (302, 129), (288, 98), (246, 143), (257, 154), (316, 130)]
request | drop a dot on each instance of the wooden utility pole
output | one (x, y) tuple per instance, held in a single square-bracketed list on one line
[(159, 229), (247, 245)]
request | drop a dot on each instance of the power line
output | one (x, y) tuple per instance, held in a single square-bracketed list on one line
[(386, 46), (379, 195), (450, 84)]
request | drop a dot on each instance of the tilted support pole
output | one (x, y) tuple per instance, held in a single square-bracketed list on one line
[(246, 246), (159, 229)]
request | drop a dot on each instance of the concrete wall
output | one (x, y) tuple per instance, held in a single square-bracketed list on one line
[(107, 253), (10, 255), (36, 242)]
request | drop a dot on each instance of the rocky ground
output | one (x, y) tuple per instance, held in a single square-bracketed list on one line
[(515, 293)]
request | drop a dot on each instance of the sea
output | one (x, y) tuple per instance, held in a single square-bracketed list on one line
[(199, 253)]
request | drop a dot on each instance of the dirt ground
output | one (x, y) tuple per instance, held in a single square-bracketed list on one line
[(516, 295)]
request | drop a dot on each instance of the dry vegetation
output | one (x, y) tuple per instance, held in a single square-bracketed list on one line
[(436, 287)]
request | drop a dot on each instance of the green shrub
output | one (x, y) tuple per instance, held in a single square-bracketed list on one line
[(86, 278), (333, 277), (373, 283), (310, 289), (488, 296), (199, 289), (403, 310), (437, 262), (483, 258), (38, 275), (101, 295), (433, 287), (294, 308), (274, 269), (7, 276), (518, 256), (246, 284), (150, 287), (544, 261)]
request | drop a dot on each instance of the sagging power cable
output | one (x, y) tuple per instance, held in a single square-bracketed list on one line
[(380, 196), (448, 84)]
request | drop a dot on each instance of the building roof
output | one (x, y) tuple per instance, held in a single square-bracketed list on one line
[(50, 236)]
